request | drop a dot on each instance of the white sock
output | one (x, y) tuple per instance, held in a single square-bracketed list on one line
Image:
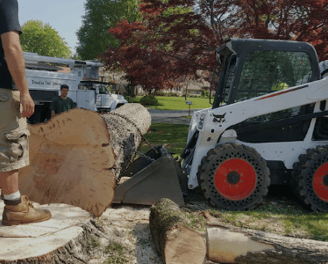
[(13, 196)]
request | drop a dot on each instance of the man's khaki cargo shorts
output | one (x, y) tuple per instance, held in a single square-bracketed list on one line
[(14, 152)]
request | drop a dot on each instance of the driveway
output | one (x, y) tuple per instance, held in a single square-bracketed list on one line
[(170, 116)]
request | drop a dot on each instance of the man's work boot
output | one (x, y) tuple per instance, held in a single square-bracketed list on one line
[(23, 213)]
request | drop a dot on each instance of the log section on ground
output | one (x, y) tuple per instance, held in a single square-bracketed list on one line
[(174, 240), (228, 244), (75, 157)]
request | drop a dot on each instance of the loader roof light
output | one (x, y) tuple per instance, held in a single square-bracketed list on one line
[(323, 66)]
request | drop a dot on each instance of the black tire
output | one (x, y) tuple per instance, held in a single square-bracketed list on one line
[(296, 174), (313, 179), (221, 189)]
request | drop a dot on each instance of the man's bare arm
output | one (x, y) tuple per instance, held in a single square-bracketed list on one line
[(16, 65), (53, 113)]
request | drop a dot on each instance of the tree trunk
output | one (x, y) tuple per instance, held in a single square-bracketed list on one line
[(76, 157), (227, 244), (126, 125), (174, 240)]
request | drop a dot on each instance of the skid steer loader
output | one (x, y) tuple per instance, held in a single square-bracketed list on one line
[(268, 125)]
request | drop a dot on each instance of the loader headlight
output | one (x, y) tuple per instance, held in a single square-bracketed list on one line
[(201, 121)]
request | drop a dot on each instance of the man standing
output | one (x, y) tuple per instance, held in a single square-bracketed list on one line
[(61, 103), (15, 106)]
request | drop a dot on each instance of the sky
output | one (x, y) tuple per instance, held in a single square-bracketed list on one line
[(65, 16)]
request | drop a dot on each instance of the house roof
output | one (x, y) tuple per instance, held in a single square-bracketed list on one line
[(197, 85)]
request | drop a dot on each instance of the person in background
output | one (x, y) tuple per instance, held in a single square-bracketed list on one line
[(15, 105), (61, 103)]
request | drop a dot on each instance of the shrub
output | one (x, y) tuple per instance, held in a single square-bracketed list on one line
[(205, 93), (148, 100), (167, 94), (170, 94), (159, 93)]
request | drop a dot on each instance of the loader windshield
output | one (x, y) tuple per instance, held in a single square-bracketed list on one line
[(266, 71)]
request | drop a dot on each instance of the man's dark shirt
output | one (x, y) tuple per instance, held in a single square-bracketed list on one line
[(8, 22), (60, 105)]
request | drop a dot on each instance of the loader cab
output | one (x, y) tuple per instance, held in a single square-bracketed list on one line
[(251, 68)]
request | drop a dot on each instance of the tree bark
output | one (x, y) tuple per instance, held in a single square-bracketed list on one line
[(175, 242), (126, 125), (228, 244), (76, 157)]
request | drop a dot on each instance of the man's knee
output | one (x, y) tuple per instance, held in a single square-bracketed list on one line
[(7, 173)]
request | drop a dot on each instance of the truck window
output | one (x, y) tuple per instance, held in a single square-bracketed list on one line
[(103, 90), (82, 87)]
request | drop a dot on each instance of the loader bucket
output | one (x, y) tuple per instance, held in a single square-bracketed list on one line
[(152, 180)]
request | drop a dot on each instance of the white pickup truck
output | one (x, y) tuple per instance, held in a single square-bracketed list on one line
[(45, 75)]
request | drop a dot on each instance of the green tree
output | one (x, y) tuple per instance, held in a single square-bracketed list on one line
[(100, 16), (43, 39)]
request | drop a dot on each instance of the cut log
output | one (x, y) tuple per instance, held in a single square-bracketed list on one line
[(175, 242), (76, 157), (227, 244)]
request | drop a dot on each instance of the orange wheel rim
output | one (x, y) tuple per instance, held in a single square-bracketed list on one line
[(320, 182), (235, 179)]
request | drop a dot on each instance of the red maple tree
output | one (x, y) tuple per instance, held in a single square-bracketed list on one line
[(177, 38)]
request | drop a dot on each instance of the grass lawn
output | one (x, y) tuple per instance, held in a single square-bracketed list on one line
[(279, 216), (280, 213), (175, 103), (173, 136)]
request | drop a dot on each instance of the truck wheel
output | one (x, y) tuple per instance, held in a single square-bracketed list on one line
[(234, 177), (313, 179)]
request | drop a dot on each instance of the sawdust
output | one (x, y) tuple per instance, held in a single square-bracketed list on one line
[(127, 228), (128, 235)]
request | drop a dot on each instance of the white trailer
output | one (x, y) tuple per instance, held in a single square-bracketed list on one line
[(44, 77)]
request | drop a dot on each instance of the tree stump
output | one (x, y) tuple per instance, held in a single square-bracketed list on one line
[(76, 157), (62, 239), (227, 244), (175, 242)]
